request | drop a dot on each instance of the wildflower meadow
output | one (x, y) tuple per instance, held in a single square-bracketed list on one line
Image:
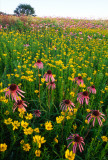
[(53, 88)]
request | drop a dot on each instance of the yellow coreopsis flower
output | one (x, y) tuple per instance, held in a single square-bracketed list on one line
[(36, 91), (75, 127), (36, 130), (72, 94), (26, 147), (48, 126), (104, 138), (22, 141), (37, 153), (28, 131), (24, 124), (6, 112), (3, 147), (59, 119), (88, 110), (29, 116), (8, 121), (56, 140), (15, 125), (69, 155), (39, 140)]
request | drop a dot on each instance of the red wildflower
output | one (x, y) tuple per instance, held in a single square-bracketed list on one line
[(95, 114), (77, 140), (36, 113), (48, 76), (65, 104), (12, 90), (79, 80), (82, 96), (92, 89), (20, 104), (39, 64), (51, 85)]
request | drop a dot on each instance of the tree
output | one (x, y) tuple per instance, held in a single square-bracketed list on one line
[(24, 9)]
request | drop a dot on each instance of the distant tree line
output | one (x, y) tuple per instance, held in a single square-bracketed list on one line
[(24, 9)]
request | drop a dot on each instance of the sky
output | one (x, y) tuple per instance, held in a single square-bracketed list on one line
[(86, 9)]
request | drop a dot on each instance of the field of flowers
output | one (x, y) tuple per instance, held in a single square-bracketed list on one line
[(53, 89)]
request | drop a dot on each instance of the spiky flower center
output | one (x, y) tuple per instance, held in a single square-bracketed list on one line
[(95, 113), (77, 139), (13, 87), (85, 93), (36, 112), (51, 82), (39, 61), (80, 77), (49, 72), (93, 86), (67, 101), (19, 102)]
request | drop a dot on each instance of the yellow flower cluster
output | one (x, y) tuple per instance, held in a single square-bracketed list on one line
[(3, 147), (59, 119), (69, 155), (28, 131), (48, 126), (104, 138), (39, 140), (26, 147), (15, 125)]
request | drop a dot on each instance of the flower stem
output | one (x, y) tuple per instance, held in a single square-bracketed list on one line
[(88, 132)]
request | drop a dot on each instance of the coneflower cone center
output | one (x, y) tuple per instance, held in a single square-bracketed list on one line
[(51, 82), (85, 93), (36, 111), (79, 77), (95, 113), (19, 102), (77, 139), (39, 61), (93, 86), (67, 101), (49, 72), (13, 87)]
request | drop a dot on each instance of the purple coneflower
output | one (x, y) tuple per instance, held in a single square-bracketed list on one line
[(79, 80), (92, 89), (48, 76), (26, 45), (20, 104), (36, 113), (39, 64), (51, 85), (82, 96), (95, 114), (13, 89), (65, 104), (76, 139)]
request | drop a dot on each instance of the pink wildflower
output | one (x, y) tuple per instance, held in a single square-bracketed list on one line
[(92, 89), (37, 113), (82, 96), (13, 89), (39, 64), (26, 45), (95, 114), (76, 139), (79, 80), (48, 76), (65, 104), (20, 104), (51, 85)]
